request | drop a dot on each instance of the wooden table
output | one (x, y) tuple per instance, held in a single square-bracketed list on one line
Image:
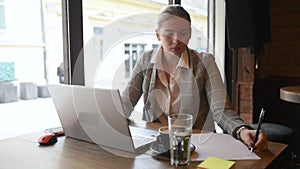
[(290, 94), (68, 153)]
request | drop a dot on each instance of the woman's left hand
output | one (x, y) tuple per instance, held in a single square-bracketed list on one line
[(247, 137)]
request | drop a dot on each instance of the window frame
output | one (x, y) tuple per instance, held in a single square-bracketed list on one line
[(73, 42)]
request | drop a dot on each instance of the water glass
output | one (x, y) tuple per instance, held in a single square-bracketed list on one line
[(180, 131)]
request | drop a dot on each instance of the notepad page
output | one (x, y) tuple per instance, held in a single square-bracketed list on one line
[(221, 146)]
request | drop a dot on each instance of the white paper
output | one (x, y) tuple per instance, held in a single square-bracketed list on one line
[(221, 146)]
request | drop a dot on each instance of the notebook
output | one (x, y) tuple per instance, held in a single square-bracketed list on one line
[(97, 116)]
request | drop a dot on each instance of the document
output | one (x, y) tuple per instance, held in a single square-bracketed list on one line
[(221, 146)]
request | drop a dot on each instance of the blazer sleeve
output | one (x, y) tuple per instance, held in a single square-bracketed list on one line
[(218, 99), (133, 91)]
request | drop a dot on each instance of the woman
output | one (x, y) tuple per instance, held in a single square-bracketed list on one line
[(176, 79)]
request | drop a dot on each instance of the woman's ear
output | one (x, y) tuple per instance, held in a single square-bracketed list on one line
[(190, 33), (157, 35)]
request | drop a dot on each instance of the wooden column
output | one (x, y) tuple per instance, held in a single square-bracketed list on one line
[(244, 86)]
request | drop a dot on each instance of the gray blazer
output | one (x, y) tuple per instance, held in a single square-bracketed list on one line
[(208, 97)]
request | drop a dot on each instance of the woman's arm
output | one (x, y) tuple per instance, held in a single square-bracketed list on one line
[(133, 91), (220, 104)]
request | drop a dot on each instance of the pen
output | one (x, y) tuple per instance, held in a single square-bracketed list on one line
[(261, 117)]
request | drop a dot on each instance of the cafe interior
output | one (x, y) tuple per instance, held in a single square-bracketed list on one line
[(262, 61), (261, 57)]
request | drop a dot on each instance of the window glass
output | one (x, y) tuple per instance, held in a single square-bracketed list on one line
[(30, 52), (115, 39)]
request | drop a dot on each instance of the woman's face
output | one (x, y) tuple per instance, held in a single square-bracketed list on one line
[(174, 34)]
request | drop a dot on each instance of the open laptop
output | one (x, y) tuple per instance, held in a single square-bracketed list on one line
[(96, 115)]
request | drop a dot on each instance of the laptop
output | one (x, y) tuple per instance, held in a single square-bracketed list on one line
[(96, 115)]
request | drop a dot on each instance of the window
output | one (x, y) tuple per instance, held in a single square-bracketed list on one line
[(103, 62), (109, 56), (31, 50), (132, 53)]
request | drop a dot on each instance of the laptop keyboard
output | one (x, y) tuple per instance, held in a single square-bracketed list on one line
[(142, 136), (139, 140)]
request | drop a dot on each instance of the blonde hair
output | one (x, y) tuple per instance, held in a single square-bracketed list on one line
[(172, 11)]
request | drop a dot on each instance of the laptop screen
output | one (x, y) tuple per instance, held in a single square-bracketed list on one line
[(92, 114)]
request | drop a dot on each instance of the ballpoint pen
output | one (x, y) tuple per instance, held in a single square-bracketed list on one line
[(261, 117)]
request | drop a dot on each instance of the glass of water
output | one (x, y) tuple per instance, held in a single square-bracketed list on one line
[(180, 131)]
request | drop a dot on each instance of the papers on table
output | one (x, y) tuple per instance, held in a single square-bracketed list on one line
[(221, 146)]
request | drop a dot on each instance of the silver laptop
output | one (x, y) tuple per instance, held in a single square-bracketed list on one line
[(96, 115)]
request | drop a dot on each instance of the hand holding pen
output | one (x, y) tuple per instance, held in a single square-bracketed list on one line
[(255, 138), (261, 117)]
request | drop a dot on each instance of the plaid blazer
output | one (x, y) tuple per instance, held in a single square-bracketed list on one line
[(204, 93)]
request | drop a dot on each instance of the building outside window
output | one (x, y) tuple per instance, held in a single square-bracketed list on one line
[(2, 16)]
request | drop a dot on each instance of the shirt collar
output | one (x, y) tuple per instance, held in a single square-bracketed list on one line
[(184, 60), (157, 58)]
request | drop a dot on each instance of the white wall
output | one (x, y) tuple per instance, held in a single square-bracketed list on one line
[(21, 43), (23, 21)]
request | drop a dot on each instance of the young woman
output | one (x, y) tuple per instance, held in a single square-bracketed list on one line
[(176, 79)]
